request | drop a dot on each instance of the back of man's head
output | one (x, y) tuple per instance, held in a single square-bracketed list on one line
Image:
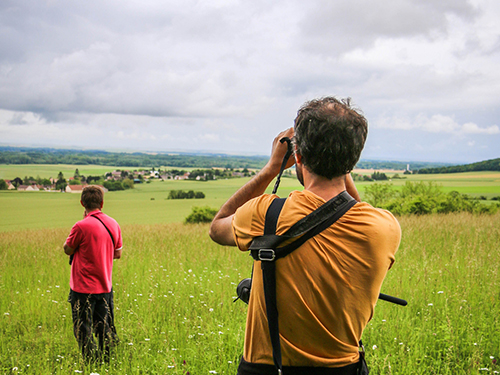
[(330, 135), (92, 197)]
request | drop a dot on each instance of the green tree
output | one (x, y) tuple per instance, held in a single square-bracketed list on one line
[(61, 182), (3, 185), (16, 182), (28, 180), (128, 183)]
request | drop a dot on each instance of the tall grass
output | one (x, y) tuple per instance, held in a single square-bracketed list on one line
[(174, 311), (448, 269)]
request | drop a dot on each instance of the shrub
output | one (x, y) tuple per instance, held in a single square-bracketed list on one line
[(181, 194), (201, 215), (128, 183), (379, 194), (421, 198), (113, 185)]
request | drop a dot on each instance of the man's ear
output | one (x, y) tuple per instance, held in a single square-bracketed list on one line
[(82, 204), (298, 157), (102, 203)]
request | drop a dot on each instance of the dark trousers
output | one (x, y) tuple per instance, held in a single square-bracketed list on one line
[(247, 368), (93, 314)]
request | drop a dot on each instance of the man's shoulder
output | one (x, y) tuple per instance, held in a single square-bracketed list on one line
[(257, 204), (368, 209), (105, 218), (373, 219)]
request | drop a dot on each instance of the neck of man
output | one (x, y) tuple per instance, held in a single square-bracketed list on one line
[(91, 211), (321, 186)]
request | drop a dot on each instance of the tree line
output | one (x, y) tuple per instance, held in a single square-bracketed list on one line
[(27, 155), (487, 165), (19, 155)]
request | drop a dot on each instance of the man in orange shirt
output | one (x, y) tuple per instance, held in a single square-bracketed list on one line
[(327, 288)]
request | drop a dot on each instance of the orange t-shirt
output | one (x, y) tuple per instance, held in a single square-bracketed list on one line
[(326, 289)]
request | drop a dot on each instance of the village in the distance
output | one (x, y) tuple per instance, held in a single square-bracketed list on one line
[(118, 179)]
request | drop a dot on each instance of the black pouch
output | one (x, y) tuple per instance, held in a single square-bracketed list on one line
[(363, 367)]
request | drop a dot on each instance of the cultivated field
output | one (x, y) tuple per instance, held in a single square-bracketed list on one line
[(174, 287)]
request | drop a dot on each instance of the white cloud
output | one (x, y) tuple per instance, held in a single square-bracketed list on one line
[(471, 128), (434, 124)]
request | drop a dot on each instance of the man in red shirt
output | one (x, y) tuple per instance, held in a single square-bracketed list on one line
[(92, 244)]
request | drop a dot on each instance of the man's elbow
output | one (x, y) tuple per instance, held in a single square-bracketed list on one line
[(68, 250), (221, 233), (212, 232)]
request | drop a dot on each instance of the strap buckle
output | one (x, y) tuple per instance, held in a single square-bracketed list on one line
[(267, 255)]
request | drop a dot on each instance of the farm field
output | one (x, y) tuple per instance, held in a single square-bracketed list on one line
[(174, 287), (147, 203)]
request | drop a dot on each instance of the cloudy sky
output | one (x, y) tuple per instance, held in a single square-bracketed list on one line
[(228, 75)]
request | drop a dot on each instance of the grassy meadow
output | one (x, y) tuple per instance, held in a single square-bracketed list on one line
[(174, 288)]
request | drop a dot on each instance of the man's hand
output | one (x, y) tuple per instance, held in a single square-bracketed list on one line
[(278, 152), (221, 230)]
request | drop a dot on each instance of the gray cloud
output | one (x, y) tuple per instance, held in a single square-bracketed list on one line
[(335, 27), (146, 73)]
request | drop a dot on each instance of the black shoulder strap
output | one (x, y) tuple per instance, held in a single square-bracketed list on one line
[(272, 214), (112, 239), (309, 227), (266, 246)]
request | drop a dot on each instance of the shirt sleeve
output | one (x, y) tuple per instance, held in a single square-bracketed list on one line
[(249, 220), (119, 243), (75, 237)]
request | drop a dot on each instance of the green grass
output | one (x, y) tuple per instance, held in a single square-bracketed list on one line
[(174, 311), (173, 295), (174, 287), (473, 183), (147, 204)]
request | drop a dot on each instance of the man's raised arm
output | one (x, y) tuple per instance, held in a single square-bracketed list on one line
[(221, 230)]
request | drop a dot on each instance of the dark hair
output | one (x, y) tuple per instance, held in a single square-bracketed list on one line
[(92, 197), (330, 135)]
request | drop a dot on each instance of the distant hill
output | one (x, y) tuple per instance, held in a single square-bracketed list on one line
[(487, 165), (30, 155), (398, 165), (24, 155)]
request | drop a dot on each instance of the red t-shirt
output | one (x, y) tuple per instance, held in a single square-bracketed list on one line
[(91, 270)]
